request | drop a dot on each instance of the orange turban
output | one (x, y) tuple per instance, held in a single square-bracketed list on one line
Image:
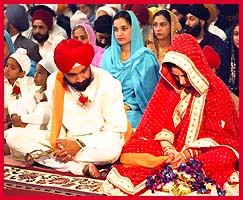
[(69, 52)]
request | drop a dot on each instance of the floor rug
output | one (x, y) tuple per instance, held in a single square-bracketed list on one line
[(21, 181)]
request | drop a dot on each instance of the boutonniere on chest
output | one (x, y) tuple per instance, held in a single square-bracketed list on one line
[(16, 92), (84, 100)]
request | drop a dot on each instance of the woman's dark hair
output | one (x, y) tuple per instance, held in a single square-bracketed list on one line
[(123, 14), (165, 13), (233, 82)]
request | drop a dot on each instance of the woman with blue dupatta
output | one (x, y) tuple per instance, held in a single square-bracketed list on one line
[(134, 65), (9, 49), (8, 46)]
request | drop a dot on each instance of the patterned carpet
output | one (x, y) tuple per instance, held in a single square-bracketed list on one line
[(58, 184), (21, 179)]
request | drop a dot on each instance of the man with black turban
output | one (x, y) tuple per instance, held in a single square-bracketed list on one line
[(197, 16), (103, 27)]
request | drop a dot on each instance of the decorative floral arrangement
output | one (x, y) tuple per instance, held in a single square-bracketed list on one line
[(187, 178), (16, 91), (84, 100)]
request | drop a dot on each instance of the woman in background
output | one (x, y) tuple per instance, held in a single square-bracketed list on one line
[(233, 48), (165, 27), (134, 65), (85, 33)]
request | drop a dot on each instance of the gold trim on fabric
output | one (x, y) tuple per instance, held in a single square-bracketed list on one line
[(196, 116), (197, 80), (208, 142), (180, 109), (110, 190), (165, 134), (124, 183)]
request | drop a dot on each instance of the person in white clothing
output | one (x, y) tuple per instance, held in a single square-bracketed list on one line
[(88, 119), (35, 113), (44, 30), (16, 83)]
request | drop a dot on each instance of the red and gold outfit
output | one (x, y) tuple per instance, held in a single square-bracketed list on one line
[(203, 122)]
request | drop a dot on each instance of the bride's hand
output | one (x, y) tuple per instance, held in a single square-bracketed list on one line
[(176, 159)]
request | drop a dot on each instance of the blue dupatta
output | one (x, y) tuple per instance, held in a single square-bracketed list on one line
[(8, 39), (12, 50), (138, 75)]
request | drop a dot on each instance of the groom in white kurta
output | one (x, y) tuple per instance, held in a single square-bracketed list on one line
[(99, 124)]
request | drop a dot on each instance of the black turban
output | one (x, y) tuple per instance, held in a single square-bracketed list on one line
[(199, 11), (103, 24)]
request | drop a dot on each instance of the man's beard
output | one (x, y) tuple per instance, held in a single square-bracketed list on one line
[(193, 31), (41, 38), (101, 45), (80, 86)]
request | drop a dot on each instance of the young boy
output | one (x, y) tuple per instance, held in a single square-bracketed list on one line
[(36, 113), (16, 83)]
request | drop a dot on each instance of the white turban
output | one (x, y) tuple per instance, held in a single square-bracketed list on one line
[(116, 6), (20, 55), (48, 64), (107, 9), (78, 18)]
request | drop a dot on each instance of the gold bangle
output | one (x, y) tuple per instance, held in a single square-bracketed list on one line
[(191, 153), (184, 156)]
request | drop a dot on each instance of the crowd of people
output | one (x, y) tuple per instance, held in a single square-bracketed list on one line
[(133, 86)]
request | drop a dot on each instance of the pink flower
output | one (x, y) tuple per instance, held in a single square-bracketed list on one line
[(84, 100), (16, 91)]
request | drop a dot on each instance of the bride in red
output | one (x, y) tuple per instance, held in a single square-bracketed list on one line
[(191, 115)]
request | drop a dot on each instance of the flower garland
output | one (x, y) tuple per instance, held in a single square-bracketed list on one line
[(16, 91), (84, 100), (189, 177)]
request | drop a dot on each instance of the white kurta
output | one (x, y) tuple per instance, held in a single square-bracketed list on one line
[(26, 85), (99, 125), (34, 113), (56, 35)]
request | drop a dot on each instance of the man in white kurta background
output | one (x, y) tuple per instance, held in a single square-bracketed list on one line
[(88, 119)]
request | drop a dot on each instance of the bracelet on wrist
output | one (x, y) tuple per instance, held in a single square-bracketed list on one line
[(191, 153), (80, 143), (184, 156)]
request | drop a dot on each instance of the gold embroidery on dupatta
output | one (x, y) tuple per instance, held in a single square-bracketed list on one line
[(196, 116), (165, 134), (124, 183), (181, 108)]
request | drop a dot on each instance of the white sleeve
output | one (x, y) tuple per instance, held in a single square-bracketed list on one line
[(41, 115), (50, 87), (113, 109), (24, 105)]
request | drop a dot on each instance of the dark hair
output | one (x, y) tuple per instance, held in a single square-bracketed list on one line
[(165, 13), (233, 55), (230, 33), (125, 15)]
